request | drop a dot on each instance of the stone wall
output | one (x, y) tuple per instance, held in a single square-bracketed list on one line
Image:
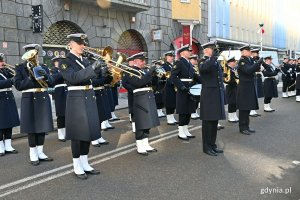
[(103, 27)]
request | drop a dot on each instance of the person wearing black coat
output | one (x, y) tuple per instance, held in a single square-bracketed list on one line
[(212, 98), (231, 89), (194, 62), (257, 80), (246, 92), (169, 93), (158, 85), (144, 106), (60, 96), (293, 76), (286, 76), (298, 80), (183, 76), (9, 116), (129, 89), (82, 120), (270, 84)]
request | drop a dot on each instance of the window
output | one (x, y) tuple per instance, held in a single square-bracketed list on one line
[(185, 1)]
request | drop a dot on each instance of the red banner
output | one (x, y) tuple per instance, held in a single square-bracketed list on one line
[(186, 36)]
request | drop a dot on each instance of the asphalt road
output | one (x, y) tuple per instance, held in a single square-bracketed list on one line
[(259, 166)]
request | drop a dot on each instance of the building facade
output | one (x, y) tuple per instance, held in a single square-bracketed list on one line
[(128, 26)]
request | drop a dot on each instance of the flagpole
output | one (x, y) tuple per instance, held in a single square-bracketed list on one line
[(261, 39)]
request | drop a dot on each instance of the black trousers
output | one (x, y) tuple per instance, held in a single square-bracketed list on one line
[(61, 122), (170, 110), (5, 134), (184, 119), (231, 108), (36, 139), (297, 92), (284, 86), (209, 134), (267, 100), (244, 119), (141, 134), (290, 87), (79, 148)]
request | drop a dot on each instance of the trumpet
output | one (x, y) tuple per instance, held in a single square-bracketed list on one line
[(106, 54), (10, 68)]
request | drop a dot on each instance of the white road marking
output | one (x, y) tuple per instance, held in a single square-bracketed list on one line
[(161, 137)]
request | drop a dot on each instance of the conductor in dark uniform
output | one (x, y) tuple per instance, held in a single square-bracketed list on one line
[(169, 93), (246, 92), (158, 85), (270, 83), (144, 106), (60, 96), (212, 98), (36, 113), (183, 76), (82, 121), (9, 116)]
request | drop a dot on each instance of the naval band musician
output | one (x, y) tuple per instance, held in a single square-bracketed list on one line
[(144, 106), (183, 76), (82, 120), (9, 116), (36, 113), (212, 98), (246, 93)]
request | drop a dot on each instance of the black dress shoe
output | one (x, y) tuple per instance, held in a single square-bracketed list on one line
[(186, 139), (251, 130), (104, 143), (222, 127), (2, 154), (104, 129), (114, 119), (12, 152), (62, 140), (112, 127), (152, 150), (96, 145), (82, 176), (172, 123), (256, 115), (216, 150), (233, 121), (192, 136), (93, 172), (245, 132), (211, 153), (46, 159), (35, 163)]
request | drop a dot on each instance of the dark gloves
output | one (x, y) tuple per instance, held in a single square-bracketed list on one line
[(98, 65), (225, 75), (108, 79), (216, 52), (184, 89), (277, 70), (43, 73), (260, 61)]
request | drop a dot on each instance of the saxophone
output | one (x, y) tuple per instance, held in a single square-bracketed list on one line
[(226, 70)]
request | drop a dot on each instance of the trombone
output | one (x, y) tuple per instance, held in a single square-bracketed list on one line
[(105, 54)]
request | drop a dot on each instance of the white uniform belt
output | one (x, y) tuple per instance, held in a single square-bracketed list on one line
[(142, 89), (297, 73), (270, 77), (99, 88), (35, 90), (5, 90), (86, 87), (107, 85), (186, 79), (60, 85)]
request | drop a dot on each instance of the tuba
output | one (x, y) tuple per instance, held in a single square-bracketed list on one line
[(32, 64)]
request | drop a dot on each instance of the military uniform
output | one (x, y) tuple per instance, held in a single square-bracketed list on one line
[(9, 116), (82, 119), (270, 85), (36, 112), (60, 96), (230, 92), (246, 92), (144, 106), (286, 78), (298, 81), (211, 102), (183, 76)]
